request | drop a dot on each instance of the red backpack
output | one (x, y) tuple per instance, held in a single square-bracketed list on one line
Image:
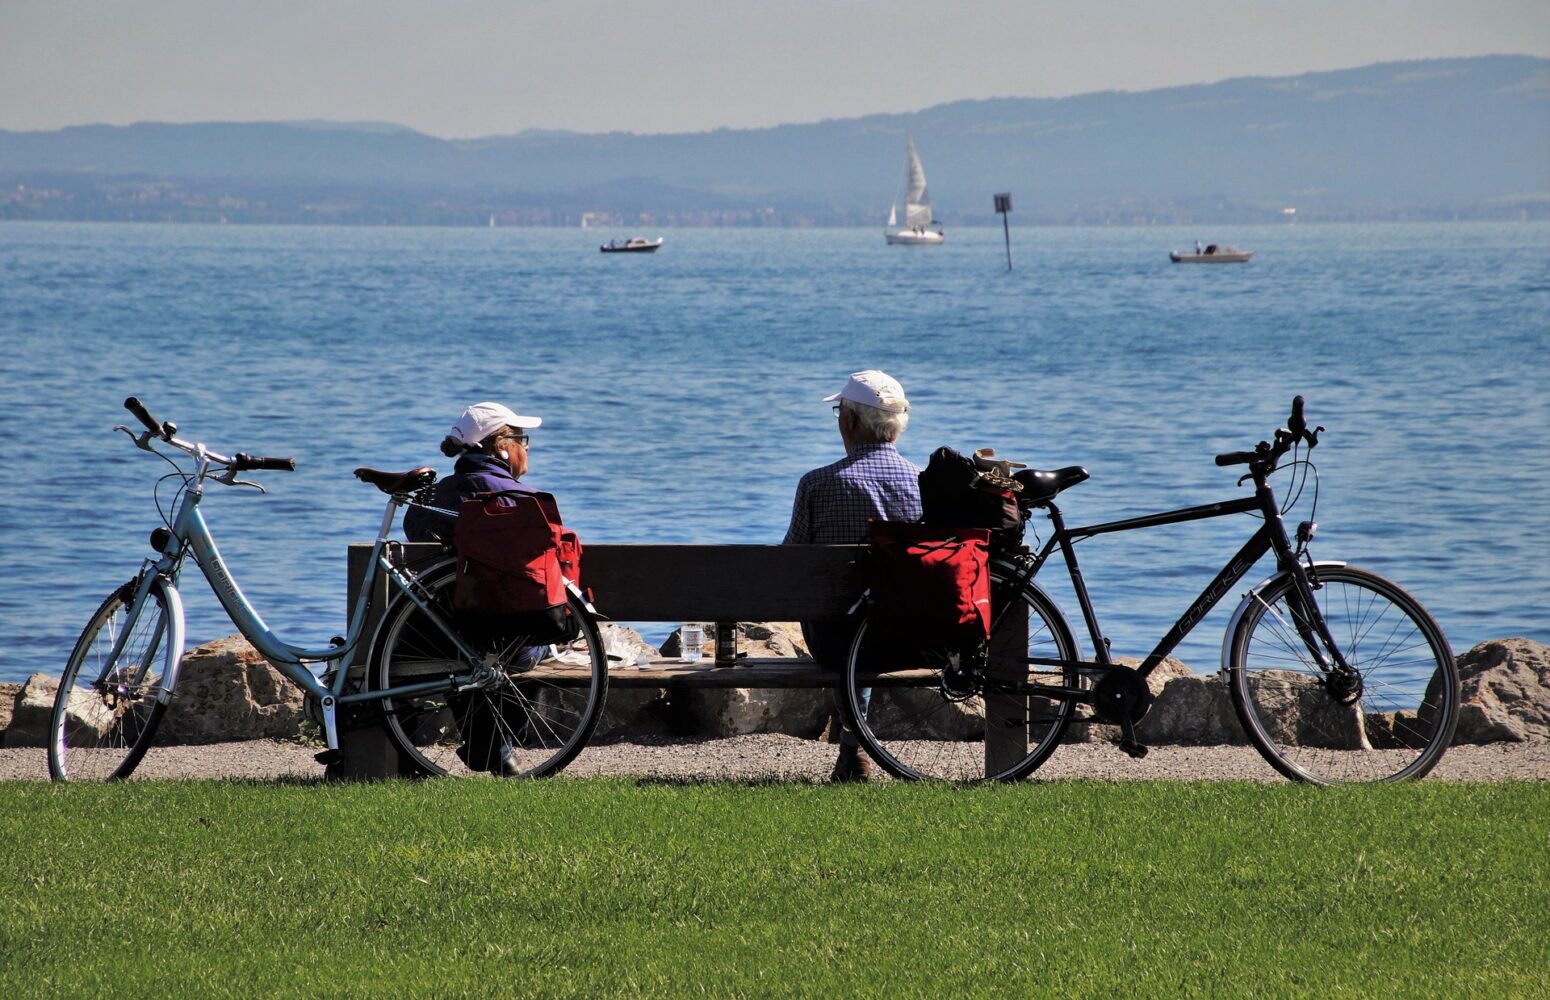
[(513, 558), (931, 584)]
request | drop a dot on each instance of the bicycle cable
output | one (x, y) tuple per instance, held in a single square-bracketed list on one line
[(177, 471), (156, 495)]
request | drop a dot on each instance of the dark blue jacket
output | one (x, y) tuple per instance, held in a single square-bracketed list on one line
[(472, 474)]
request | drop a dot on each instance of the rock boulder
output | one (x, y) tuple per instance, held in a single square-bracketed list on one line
[(228, 691), (9, 693), (34, 710), (1193, 709), (1188, 708), (1506, 692)]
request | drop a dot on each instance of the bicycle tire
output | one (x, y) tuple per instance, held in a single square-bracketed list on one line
[(106, 710), (1309, 729), (923, 731), (539, 722)]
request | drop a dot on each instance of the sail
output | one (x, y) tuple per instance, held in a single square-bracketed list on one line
[(917, 203), (893, 215)]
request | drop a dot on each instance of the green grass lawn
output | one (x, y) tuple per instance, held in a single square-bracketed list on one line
[(590, 887)]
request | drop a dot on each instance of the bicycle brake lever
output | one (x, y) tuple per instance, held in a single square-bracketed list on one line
[(230, 479), (141, 440)]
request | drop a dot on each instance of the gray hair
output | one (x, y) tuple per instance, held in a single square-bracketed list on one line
[(880, 425)]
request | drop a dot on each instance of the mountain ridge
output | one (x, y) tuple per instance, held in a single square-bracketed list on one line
[(1417, 138)]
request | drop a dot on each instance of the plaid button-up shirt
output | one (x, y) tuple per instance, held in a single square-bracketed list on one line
[(833, 503)]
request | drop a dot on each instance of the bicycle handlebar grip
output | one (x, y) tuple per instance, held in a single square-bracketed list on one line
[(242, 463), (1296, 424), (1235, 458), (133, 405)]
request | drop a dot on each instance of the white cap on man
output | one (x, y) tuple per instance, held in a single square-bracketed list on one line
[(483, 419), (874, 388)]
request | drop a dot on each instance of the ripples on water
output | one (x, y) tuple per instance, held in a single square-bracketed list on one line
[(680, 394)]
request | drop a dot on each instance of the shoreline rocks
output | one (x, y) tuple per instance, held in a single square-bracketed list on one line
[(1506, 692), (227, 691)]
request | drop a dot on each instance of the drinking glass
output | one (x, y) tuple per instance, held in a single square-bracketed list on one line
[(691, 642)]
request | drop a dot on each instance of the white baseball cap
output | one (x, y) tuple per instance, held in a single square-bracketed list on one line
[(873, 388), (483, 419)]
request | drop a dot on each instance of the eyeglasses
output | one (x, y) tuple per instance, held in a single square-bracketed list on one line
[(836, 411), (517, 436)]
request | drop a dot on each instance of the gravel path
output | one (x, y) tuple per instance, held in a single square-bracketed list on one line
[(786, 758)]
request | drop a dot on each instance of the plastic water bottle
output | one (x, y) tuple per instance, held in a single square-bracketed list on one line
[(691, 642)]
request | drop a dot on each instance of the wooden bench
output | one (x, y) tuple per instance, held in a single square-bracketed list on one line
[(677, 583)]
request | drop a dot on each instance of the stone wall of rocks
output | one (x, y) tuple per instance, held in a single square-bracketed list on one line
[(227, 691)]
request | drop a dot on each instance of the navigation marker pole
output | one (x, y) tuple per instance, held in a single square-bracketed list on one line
[(1004, 206)]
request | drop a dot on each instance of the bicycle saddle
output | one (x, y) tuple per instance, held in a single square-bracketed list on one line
[(1039, 486), (398, 482)]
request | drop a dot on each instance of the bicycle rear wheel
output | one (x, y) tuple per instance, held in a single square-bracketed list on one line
[(921, 720), (107, 708), (1393, 722), (517, 718)]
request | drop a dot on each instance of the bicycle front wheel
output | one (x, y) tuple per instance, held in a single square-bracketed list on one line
[(1391, 721), (919, 716), (515, 716), (108, 707)]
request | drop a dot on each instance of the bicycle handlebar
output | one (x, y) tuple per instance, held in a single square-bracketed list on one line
[(1263, 458), (167, 432)]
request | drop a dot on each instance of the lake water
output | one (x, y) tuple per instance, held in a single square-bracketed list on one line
[(680, 394)]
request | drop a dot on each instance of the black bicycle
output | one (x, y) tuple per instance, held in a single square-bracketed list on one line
[(1337, 674)]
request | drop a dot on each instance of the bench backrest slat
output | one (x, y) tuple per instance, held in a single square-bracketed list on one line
[(722, 582), (701, 582)]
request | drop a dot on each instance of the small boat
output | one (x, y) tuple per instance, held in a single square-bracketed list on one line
[(1214, 253), (635, 244), (917, 231)]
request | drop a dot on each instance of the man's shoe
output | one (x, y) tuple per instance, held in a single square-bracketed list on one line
[(853, 765)]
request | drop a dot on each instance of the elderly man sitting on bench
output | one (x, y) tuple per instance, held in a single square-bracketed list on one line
[(834, 503)]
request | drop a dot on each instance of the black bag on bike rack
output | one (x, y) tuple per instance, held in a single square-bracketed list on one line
[(955, 492)]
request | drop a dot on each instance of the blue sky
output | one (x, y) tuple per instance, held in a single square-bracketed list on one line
[(480, 67)]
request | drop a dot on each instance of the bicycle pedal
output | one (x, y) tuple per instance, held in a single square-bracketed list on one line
[(329, 756), (1133, 748)]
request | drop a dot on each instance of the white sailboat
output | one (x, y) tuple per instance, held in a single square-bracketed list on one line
[(917, 229)]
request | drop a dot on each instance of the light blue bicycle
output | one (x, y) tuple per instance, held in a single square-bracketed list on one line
[(439, 691)]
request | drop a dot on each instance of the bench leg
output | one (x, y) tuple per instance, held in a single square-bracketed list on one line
[(368, 754), (1006, 715)]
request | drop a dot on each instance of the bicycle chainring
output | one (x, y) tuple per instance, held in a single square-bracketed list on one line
[(1118, 689)]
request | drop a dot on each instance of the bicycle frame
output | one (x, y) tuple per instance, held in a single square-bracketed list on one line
[(191, 536), (1271, 536)]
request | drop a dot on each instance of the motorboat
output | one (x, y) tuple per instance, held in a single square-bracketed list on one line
[(635, 244), (916, 231), (1213, 253)]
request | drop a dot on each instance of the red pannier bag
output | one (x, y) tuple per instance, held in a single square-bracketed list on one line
[(567, 544), (512, 553), (930, 584)]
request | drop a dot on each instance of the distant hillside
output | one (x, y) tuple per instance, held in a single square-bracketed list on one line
[(1431, 139)]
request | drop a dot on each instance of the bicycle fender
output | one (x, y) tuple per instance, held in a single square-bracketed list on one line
[(395, 597), (576, 591), (173, 657), (1248, 602)]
